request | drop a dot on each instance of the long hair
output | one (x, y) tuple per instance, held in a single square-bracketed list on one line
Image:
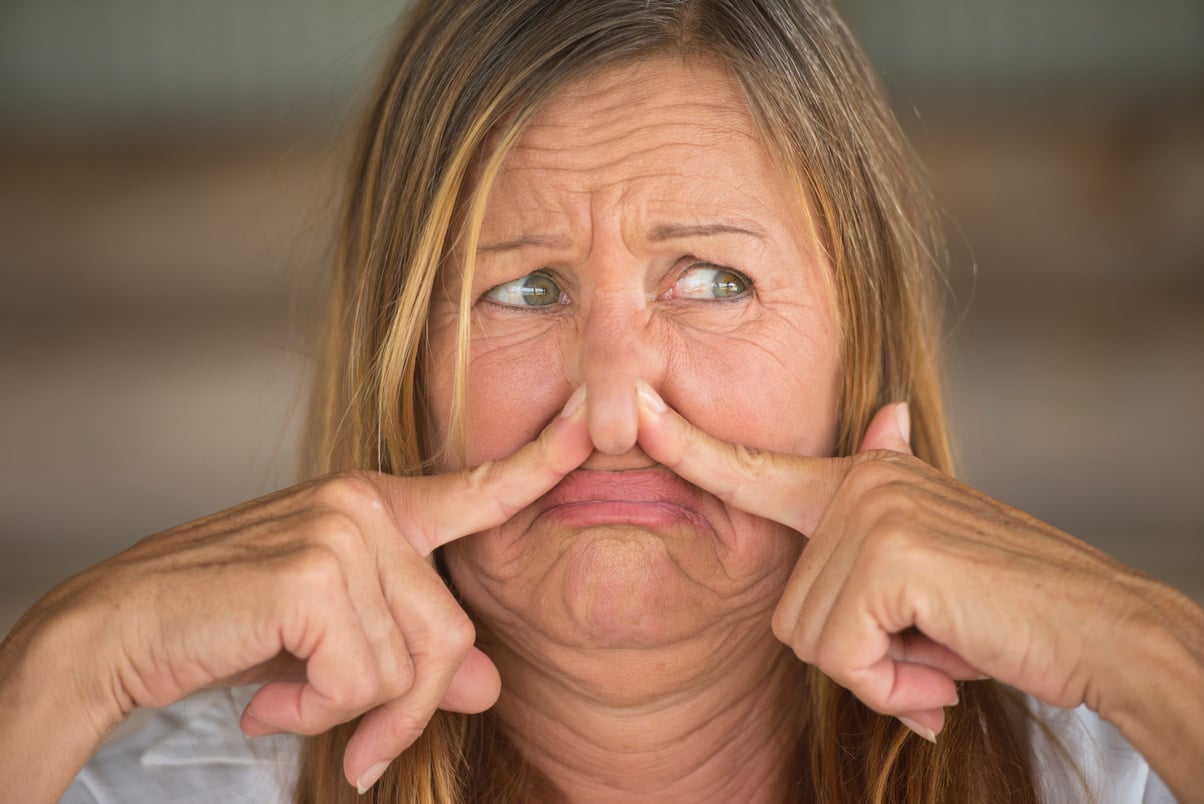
[(462, 81)]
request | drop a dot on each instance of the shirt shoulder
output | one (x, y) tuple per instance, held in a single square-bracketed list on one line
[(1080, 756), (191, 752)]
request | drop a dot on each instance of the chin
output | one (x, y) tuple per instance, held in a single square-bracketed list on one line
[(621, 587), (612, 586)]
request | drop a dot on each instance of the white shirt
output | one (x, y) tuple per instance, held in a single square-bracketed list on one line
[(193, 752), (1112, 769)]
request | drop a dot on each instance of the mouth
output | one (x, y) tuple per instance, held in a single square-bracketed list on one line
[(652, 498)]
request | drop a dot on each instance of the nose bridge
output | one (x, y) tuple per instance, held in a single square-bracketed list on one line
[(617, 347), (617, 337), (616, 306)]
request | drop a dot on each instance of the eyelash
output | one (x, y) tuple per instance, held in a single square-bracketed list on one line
[(535, 286), (719, 270), (524, 288)]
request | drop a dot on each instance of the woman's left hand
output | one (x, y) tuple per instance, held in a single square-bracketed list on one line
[(911, 581)]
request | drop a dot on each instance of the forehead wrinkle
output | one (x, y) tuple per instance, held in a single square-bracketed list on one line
[(583, 148), (599, 109), (573, 156), (533, 212), (713, 206), (639, 181)]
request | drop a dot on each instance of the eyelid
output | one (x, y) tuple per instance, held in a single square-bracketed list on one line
[(517, 284), (694, 264)]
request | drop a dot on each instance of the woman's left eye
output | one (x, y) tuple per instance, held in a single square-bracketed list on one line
[(533, 290), (710, 282)]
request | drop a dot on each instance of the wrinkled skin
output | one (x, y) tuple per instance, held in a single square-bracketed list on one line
[(651, 453)]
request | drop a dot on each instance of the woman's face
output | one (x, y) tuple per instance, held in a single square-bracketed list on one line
[(639, 230)]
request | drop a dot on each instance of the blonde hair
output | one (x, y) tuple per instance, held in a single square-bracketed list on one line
[(463, 79)]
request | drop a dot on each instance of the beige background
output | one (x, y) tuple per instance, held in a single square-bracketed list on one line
[(168, 181)]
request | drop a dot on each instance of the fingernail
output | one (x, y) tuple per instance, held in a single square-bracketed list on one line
[(903, 419), (925, 732), (574, 403), (370, 777), (955, 700), (650, 397)]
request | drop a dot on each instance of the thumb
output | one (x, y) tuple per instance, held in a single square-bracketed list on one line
[(889, 429), (475, 686)]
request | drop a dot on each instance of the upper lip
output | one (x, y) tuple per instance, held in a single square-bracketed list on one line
[(649, 485)]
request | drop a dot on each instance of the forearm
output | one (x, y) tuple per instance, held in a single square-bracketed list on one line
[(50, 706), (1156, 692)]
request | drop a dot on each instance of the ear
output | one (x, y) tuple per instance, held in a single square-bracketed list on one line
[(889, 429)]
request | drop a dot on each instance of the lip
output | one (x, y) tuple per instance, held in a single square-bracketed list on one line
[(650, 497)]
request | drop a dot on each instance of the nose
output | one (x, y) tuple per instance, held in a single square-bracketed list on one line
[(617, 347)]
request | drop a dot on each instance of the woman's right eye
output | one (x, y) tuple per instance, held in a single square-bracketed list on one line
[(533, 290)]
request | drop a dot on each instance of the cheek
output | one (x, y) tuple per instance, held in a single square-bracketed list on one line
[(773, 386), (772, 382), (516, 385)]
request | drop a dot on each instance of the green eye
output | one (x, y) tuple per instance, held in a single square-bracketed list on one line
[(710, 282), (532, 290)]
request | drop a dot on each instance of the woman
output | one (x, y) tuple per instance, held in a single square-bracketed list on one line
[(632, 342)]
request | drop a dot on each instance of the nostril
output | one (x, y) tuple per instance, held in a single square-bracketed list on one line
[(613, 437), (613, 422), (613, 443)]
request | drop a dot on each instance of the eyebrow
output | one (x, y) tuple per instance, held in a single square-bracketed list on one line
[(524, 241), (672, 231), (659, 234)]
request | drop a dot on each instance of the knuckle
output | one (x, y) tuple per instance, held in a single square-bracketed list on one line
[(446, 631), (482, 482), (397, 670), (892, 541), (782, 626), (338, 531), (350, 492), (830, 660), (746, 465), (870, 470), (802, 637), (477, 479), (752, 461), (318, 569), (361, 691), (406, 726), (458, 631), (892, 501)]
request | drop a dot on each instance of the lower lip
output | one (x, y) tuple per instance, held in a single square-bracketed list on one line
[(618, 512)]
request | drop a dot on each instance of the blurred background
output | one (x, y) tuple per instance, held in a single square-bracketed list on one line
[(169, 176)]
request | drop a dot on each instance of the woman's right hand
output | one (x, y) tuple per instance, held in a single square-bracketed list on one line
[(323, 592)]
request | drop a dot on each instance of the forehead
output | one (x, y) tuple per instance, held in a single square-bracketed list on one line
[(666, 135), (663, 102)]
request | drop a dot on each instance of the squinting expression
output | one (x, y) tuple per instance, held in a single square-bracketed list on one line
[(638, 230)]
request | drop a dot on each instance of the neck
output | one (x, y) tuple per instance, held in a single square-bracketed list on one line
[(622, 733)]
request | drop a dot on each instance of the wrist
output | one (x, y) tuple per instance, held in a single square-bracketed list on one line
[(1154, 679), (1159, 643), (54, 701)]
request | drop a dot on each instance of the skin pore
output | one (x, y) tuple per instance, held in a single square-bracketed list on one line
[(639, 232)]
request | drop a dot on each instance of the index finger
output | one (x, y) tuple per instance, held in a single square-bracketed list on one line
[(441, 508), (793, 490)]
